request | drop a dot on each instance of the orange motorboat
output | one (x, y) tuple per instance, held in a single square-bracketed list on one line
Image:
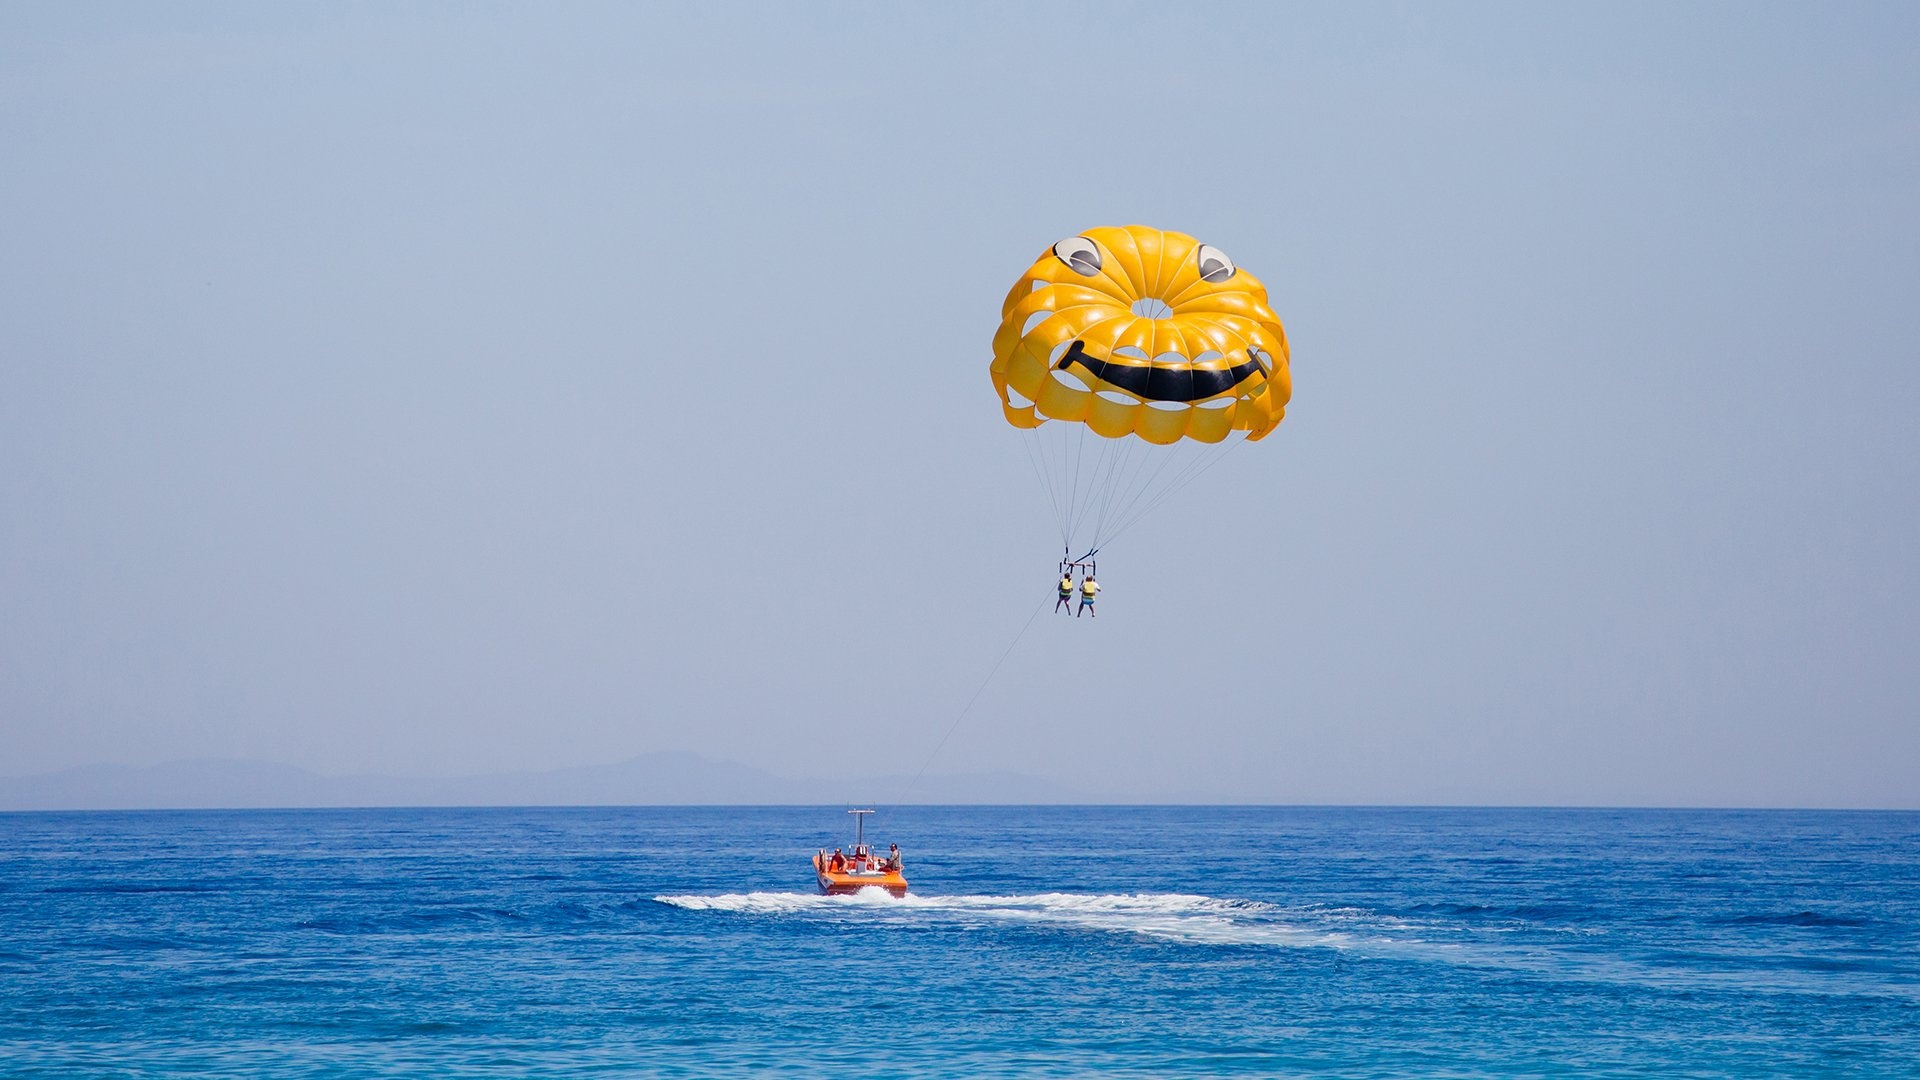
[(841, 873)]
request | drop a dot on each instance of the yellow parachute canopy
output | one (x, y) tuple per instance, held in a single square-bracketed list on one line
[(1138, 331), (1133, 331)]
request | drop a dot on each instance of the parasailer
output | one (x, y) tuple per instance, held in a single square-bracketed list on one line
[(1129, 356)]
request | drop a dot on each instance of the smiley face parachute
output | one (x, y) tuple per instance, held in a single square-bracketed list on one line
[(1133, 359)]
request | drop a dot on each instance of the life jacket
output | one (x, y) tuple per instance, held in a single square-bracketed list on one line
[(1088, 588), (1066, 586)]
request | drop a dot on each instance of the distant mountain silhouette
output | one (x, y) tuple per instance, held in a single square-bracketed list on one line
[(671, 778)]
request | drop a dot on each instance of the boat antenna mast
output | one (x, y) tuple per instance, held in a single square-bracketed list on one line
[(859, 828)]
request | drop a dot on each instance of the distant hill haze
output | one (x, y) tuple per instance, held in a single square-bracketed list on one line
[(660, 779)]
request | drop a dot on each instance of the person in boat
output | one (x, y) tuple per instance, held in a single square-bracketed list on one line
[(893, 858), (1088, 589), (837, 864), (1066, 593)]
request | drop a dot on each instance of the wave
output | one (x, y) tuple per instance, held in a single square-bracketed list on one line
[(1178, 917), (1795, 918), (1499, 911), (110, 888)]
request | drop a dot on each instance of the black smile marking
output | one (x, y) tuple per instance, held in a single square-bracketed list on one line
[(1157, 383)]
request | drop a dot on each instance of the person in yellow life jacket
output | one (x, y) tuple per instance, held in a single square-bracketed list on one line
[(1066, 594), (1088, 587)]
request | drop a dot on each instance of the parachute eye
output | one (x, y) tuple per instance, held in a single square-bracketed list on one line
[(1214, 264), (1079, 253)]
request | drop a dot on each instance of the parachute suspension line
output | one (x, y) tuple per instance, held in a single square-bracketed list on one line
[(1036, 449), (1098, 479), (1103, 483), (1113, 462), (1057, 474), (1079, 455), (991, 672), (1149, 482), (1188, 471), (1065, 481), (1193, 471), (1142, 482), (1110, 459), (1103, 488), (1094, 472), (1119, 479), (1129, 487)]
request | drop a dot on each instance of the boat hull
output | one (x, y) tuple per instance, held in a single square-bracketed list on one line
[(848, 882)]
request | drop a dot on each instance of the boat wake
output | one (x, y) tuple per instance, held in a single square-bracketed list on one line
[(1205, 921), (1177, 917)]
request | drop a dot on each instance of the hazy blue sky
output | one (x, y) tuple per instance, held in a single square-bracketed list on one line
[(462, 388)]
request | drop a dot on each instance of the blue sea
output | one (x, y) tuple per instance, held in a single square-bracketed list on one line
[(1037, 942)]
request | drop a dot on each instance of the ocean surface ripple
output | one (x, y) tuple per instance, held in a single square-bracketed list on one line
[(1037, 942)]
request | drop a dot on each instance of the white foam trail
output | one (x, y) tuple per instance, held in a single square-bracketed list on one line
[(1180, 917), (780, 903), (1209, 921)]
